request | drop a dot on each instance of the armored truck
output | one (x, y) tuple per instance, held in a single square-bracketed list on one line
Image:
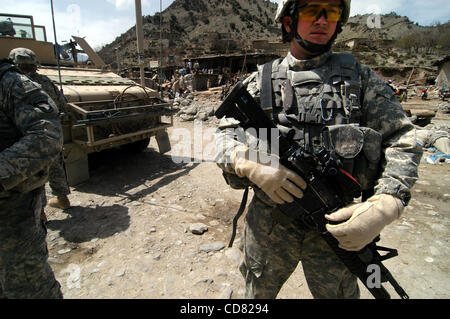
[(105, 110)]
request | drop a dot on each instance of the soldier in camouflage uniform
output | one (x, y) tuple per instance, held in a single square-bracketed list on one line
[(27, 62), (30, 141), (313, 87)]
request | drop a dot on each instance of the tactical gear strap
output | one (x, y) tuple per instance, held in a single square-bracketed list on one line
[(343, 72), (6, 66), (266, 102), (238, 215), (266, 86)]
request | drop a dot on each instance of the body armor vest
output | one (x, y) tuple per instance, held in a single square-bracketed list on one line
[(305, 104), (5, 66), (323, 96), (10, 139), (11, 134)]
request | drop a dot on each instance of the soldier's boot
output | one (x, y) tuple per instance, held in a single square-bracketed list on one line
[(61, 202), (43, 216)]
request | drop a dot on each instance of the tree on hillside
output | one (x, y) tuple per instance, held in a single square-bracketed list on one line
[(428, 40)]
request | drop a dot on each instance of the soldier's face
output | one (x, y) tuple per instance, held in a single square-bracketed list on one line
[(27, 68), (318, 31)]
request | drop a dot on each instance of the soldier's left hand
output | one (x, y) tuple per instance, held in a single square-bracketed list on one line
[(358, 224)]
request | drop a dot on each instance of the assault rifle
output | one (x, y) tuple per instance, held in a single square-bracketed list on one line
[(329, 189)]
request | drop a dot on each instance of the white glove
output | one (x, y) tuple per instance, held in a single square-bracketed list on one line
[(362, 222), (279, 183)]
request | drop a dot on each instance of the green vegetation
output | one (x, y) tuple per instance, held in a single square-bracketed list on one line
[(430, 40)]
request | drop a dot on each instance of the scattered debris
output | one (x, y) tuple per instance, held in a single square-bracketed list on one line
[(215, 246), (198, 228)]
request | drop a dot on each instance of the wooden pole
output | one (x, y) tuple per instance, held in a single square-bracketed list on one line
[(140, 39), (412, 72)]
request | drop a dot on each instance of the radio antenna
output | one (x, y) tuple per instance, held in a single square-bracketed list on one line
[(56, 48)]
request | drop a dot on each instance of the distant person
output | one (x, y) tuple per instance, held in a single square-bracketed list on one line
[(424, 94), (73, 50), (189, 67), (444, 93), (28, 63), (30, 142), (23, 33), (196, 66), (391, 85), (7, 28)]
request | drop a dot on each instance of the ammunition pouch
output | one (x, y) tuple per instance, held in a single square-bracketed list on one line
[(28, 185), (359, 149), (235, 181), (33, 182)]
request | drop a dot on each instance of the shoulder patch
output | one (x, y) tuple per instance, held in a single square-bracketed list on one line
[(29, 86), (45, 107)]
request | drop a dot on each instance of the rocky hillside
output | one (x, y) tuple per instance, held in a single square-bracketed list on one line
[(391, 27), (197, 27), (396, 47)]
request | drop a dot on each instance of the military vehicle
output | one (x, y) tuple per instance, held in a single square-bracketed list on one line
[(105, 110)]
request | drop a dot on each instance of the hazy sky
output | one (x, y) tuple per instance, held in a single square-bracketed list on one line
[(101, 21)]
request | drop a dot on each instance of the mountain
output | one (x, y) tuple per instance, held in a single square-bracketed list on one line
[(389, 27), (395, 43), (198, 27)]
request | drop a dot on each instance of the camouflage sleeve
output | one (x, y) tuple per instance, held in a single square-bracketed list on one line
[(35, 115), (60, 100), (383, 112), (50, 88), (230, 134)]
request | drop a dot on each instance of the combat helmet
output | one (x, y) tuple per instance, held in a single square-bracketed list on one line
[(288, 7), (24, 56), (285, 4)]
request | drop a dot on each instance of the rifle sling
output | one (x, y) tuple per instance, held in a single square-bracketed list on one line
[(266, 86), (238, 214), (266, 102)]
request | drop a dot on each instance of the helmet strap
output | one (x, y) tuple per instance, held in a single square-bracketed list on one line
[(314, 47)]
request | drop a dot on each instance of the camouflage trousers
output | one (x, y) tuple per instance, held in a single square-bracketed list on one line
[(57, 179), (24, 270), (273, 249)]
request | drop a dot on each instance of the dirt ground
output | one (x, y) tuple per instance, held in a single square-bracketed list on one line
[(128, 233)]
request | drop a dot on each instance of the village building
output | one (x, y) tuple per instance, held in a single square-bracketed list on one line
[(443, 77)]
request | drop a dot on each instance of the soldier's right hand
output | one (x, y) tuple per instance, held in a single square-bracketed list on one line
[(278, 182)]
